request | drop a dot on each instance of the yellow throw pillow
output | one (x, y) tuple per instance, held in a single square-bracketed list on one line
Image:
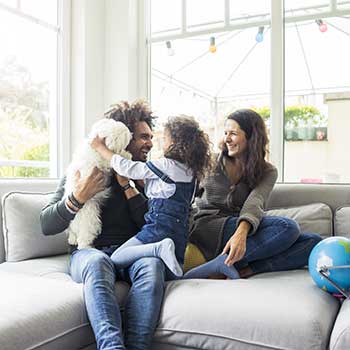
[(193, 257)]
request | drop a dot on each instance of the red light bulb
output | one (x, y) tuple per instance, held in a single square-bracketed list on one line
[(323, 27)]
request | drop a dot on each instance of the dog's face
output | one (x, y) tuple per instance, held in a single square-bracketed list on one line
[(116, 134)]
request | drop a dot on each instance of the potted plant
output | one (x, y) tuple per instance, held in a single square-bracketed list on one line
[(301, 122)]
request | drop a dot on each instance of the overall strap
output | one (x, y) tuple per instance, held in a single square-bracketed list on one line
[(159, 173), (195, 182)]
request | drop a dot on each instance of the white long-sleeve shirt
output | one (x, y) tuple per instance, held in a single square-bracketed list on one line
[(154, 186)]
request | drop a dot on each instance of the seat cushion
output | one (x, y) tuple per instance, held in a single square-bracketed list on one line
[(37, 311), (269, 311), (22, 231), (340, 339), (44, 313)]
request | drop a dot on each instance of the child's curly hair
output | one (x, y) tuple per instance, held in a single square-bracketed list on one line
[(191, 145)]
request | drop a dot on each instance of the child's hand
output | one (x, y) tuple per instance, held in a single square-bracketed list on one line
[(98, 143)]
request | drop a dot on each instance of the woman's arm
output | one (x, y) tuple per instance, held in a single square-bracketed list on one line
[(250, 216)]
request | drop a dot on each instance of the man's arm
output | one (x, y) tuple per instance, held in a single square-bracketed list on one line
[(137, 202), (56, 216)]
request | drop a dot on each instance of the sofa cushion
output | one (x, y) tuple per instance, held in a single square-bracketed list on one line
[(315, 217), (53, 267), (282, 310), (340, 338), (342, 221), (36, 311), (45, 313), (22, 231)]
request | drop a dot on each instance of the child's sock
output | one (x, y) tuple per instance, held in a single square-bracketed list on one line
[(213, 267), (165, 250)]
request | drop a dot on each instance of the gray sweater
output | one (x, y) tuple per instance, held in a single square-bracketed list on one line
[(221, 200)]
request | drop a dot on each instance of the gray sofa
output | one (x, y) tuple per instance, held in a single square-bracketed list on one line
[(42, 308)]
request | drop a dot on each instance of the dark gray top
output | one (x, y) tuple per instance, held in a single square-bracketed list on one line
[(121, 218), (221, 200)]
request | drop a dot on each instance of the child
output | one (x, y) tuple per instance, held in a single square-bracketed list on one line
[(170, 183)]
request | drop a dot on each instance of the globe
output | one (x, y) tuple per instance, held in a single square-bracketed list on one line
[(331, 252)]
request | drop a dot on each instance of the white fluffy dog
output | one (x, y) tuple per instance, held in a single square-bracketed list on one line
[(86, 225)]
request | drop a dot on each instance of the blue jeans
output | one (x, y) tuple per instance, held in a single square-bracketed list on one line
[(277, 245), (96, 270)]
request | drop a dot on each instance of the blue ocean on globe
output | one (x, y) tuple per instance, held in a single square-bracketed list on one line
[(332, 251)]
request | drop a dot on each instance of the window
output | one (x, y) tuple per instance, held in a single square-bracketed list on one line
[(207, 72), (31, 43), (317, 94), (217, 60)]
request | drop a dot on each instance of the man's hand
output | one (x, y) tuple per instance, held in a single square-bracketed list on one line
[(86, 188), (237, 244)]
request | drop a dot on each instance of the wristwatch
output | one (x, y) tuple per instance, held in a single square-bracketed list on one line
[(126, 187)]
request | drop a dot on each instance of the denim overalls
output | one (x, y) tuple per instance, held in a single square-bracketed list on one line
[(168, 217)]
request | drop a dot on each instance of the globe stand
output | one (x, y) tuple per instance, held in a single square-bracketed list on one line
[(324, 270)]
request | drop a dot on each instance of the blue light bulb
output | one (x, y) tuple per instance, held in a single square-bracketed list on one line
[(259, 37)]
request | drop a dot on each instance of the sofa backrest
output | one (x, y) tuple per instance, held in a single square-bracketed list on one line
[(336, 196)]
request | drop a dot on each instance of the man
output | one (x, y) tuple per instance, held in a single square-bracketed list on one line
[(122, 217)]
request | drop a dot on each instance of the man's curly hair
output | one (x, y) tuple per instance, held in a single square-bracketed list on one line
[(130, 114), (190, 144)]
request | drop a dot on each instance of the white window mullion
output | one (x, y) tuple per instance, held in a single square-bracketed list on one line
[(277, 86), (62, 148), (184, 16)]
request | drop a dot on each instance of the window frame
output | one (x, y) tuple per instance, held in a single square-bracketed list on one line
[(277, 20), (59, 139)]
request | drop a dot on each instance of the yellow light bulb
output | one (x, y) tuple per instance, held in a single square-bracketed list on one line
[(212, 48)]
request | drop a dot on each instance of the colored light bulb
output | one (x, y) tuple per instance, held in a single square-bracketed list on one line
[(321, 25), (212, 46), (260, 35)]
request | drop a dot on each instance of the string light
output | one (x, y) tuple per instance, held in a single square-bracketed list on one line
[(322, 26), (171, 51), (260, 35), (212, 46)]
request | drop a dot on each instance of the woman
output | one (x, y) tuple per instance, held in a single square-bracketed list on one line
[(230, 220)]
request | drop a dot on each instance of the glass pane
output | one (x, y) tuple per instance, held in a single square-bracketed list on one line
[(12, 3), (165, 16), (45, 10), (249, 10), (317, 85), (209, 85), (343, 5), (305, 7), (28, 85), (206, 13)]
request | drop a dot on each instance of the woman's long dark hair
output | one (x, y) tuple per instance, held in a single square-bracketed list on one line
[(191, 145), (255, 131)]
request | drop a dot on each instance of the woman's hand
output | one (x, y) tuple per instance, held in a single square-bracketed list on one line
[(86, 188), (237, 244)]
